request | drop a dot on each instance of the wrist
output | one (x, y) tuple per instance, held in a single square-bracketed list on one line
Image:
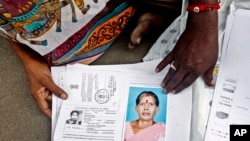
[(206, 21), (197, 8), (28, 57), (203, 6), (193, 2)]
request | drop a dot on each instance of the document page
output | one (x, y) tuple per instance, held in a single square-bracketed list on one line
[(92, 109), (142, 75), (106, 119), (58, 75), (231, 102)]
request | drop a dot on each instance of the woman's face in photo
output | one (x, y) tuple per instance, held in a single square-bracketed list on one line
[(147, 108)]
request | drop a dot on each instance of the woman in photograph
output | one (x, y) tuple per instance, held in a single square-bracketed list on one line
[(145, 128)]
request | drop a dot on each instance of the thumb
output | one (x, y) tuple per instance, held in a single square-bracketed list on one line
[(208, 76), (56, 90)]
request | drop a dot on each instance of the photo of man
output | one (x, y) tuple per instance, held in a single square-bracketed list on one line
[(74, 118)]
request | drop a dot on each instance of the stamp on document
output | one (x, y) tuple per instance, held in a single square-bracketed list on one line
[(102, 96)]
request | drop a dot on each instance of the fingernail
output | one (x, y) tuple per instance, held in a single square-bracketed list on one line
[(64, 96), (138, 40), (157, 70), (213, 82), (131, 45), (165, 91), (162, 84)]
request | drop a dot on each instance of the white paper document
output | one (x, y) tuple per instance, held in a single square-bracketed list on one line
[(231, 102), (96, 98), (102, 104)]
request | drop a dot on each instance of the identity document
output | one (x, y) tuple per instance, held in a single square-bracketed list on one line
[(107, 103)]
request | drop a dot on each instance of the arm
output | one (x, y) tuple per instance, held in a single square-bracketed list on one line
[(39, 76), (195, 53)]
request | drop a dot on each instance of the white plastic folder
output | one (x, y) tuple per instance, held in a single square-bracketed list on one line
[(231, 102)]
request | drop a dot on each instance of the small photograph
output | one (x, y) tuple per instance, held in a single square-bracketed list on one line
[(75, 118), (146, 114)]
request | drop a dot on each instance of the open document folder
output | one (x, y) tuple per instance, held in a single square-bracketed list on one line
[(105, 99), (231, 101)]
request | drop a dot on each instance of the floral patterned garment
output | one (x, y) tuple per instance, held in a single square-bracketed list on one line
[(65, 31)]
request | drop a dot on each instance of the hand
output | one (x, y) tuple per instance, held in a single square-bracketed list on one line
[(39, 75), (195, 53), (42, 85)]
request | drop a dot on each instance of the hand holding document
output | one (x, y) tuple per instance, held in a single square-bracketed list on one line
[(102, 104)]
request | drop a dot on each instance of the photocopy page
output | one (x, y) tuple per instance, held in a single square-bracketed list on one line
[(59, 76), (95, 98), (231, 102), (141, 77)]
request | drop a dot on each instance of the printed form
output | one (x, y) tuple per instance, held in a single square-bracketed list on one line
[(102, 98), (231, 102), (95, 97)]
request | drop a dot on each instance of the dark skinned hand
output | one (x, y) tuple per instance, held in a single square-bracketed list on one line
[(195, 53)]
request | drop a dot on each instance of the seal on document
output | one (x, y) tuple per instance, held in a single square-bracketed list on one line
[(102, 96)]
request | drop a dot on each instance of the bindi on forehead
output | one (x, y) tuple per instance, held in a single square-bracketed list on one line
[(147, 95)]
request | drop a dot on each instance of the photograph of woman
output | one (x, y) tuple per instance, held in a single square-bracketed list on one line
[(147, 121)]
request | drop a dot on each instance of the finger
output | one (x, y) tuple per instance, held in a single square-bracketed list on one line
[(49, 98), (167, 78), (208, 76), (43, 105), (175, 80), (51, 86), (40, 90), (48, 95), (45, 108), (187, 81), (167, 60)]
